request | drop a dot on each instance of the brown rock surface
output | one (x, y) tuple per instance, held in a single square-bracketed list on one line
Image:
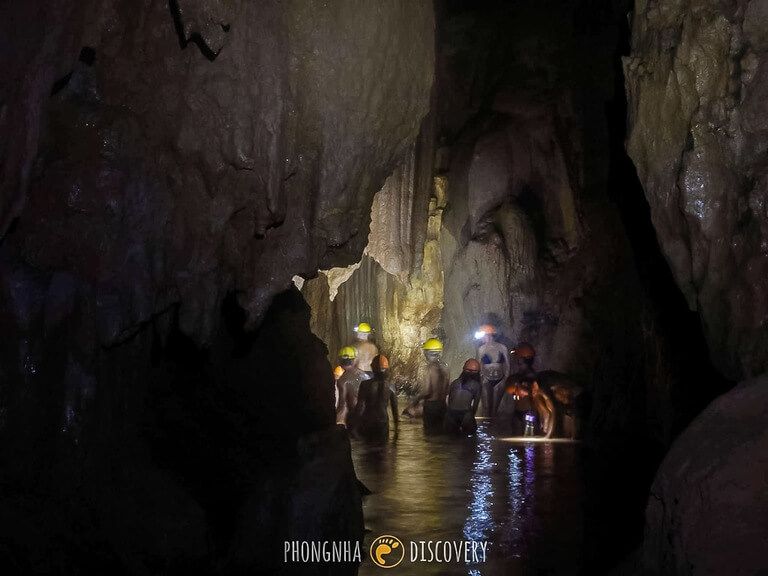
[(696, 81), (162, 175)]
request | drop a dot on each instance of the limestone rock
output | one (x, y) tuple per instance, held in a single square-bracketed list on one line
[(696, 81), (709, 501), (163, 176), (161, 162)]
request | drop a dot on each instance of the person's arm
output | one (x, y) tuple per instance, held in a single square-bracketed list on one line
[(475, 399), (426, 393), (549, 422), (427, 389), (361, 395), (446, 384), (393, 407), (507, 363), (342, 410)]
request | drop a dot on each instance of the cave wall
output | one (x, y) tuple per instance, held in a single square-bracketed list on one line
[(696, 84), (398, 285), (532, 236), (190, 165), (165, 168)]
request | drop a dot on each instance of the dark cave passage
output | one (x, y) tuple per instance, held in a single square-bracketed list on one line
[(382, 276)]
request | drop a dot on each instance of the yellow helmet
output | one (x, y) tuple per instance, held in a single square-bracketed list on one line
[(348, 353), (363, 328), (432, 345), (337, 372)]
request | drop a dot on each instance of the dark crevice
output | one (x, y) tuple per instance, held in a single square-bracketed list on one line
[(195, 38), (87, 55), (60, 84), (698, 382)]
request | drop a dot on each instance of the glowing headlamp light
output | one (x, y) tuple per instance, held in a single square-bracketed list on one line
[(479, 334)]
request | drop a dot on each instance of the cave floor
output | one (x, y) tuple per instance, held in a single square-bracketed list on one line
[(525, 499)]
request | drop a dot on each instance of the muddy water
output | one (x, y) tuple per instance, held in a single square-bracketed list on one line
[(523, 498)]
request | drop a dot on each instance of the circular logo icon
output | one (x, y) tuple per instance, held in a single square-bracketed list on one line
[(387, 551)]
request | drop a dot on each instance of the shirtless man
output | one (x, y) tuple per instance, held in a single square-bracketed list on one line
[(435, 390), (494, 365), (347, 386), (365, 349), (372, 421)]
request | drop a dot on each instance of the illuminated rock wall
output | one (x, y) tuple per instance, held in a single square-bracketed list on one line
[(398, 285), (696, 82)]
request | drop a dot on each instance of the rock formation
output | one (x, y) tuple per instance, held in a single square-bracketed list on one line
[(696, 81), (708, 504), (157, 160)]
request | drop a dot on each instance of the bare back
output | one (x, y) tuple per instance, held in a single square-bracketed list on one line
[(348, 387), (366, 352)]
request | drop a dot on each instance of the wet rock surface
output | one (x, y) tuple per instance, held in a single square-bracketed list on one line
[(167, 167), (696, 81), (696, 85), (163, 176)]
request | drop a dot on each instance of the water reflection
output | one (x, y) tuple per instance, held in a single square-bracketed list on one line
[(523, 498), (479, 523)]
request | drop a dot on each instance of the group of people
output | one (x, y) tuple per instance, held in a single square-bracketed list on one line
[(487, 386), (516, 400), (363, 393)]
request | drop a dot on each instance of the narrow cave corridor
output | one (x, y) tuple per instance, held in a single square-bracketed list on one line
[(322, 288)]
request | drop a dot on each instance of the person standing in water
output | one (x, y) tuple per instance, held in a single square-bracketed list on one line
[(347, 386), (463, 400), (524, 407), (372, 421), (533, 411), (435, 389), (365, 349), (494, 365)]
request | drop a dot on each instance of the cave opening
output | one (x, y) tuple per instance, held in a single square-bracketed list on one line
[(233, 237)]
